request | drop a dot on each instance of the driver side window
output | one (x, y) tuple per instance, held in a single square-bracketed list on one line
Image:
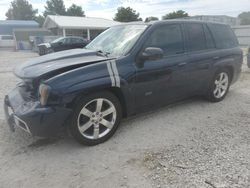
[(67, 41), (168, 38)]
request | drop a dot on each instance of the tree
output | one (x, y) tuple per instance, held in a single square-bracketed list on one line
[(175, 14), (244, 18), (21, 10), (75, 10), (151, 18), (54, 7), (126, 15), (40, 19)]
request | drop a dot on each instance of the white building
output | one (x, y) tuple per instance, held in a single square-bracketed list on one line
[(86, 27)]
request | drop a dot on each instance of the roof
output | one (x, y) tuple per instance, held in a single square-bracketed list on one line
[(7, 26), (73, 22), (213, 16), (24, 34), (19, 22), (171, 21)]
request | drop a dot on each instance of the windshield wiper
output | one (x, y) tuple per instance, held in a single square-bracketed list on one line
[(103, 53)]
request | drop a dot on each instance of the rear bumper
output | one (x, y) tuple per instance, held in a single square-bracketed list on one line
[(31, 117)]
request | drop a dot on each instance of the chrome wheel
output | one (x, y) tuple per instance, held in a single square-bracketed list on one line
[(97, 118), (221, 85)]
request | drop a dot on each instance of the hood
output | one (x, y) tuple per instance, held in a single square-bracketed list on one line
[(56, 63)]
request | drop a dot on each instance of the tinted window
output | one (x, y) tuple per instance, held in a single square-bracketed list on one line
[(209, 38), (223, 35), (168, 38), (67, 41), (196, 37)]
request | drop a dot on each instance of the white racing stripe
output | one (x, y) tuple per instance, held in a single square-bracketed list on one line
[(111, 74), (116, 74)]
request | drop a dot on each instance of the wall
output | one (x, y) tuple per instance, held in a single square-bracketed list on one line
[(243, 34)]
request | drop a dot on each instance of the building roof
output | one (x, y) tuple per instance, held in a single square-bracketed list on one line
[(7, 26), (73, 22), (24, 34), (19, 22)]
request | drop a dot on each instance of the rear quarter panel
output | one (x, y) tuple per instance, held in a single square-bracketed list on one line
[(229, 58)]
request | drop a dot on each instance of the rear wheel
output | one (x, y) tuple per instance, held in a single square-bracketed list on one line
[(219, 86), (96, 118)]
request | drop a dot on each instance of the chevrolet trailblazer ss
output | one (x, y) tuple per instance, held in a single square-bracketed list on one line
[(128, 69)]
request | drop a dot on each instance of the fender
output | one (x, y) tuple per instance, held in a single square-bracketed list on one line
[(91, 78)]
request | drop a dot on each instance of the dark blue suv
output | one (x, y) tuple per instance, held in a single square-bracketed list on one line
[(128, 69)]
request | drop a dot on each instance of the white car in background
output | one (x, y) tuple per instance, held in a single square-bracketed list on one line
[(248, 57), (6, 41)]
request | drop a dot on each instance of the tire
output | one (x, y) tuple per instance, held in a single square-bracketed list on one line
[(92, 124), (219, 86), (42, 51)]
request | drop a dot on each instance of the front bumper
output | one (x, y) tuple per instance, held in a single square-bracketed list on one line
[(33, 118)]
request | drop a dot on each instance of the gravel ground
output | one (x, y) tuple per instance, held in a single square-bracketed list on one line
[(190, 144)]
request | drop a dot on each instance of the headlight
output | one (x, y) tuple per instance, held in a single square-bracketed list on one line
[(44, 91)]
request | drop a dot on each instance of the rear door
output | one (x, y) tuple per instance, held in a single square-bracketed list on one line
[(201, 55)]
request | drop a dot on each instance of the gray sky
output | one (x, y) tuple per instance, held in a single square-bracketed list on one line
[(107, 8)]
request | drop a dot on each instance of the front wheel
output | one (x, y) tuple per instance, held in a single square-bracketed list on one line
[(219, 86), (96, 118)]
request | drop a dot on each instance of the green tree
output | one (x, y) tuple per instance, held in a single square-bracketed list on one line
[(151, 18), (54, 7), (75, 10), (175, 14), (21, 10), (244, 18), (126, 15)]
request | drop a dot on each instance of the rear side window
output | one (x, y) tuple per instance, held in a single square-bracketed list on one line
[(168, 38), (223, 35), (196, 37)]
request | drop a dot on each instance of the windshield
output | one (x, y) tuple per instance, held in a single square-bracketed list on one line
[(58, 40), (117, 40)]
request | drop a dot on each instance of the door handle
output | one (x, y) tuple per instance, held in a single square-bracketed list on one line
[(182, 64)]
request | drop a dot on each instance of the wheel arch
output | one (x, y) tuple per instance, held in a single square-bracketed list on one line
[(229, 68), (114, 90), (120, 95)]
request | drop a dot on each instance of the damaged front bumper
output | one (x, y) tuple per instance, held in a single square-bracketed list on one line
[(33, 118)]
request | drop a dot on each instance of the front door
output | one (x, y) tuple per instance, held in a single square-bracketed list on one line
[(162, 81)]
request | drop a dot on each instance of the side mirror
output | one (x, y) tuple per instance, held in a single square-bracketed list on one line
[(60, 43), (152, 53)]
